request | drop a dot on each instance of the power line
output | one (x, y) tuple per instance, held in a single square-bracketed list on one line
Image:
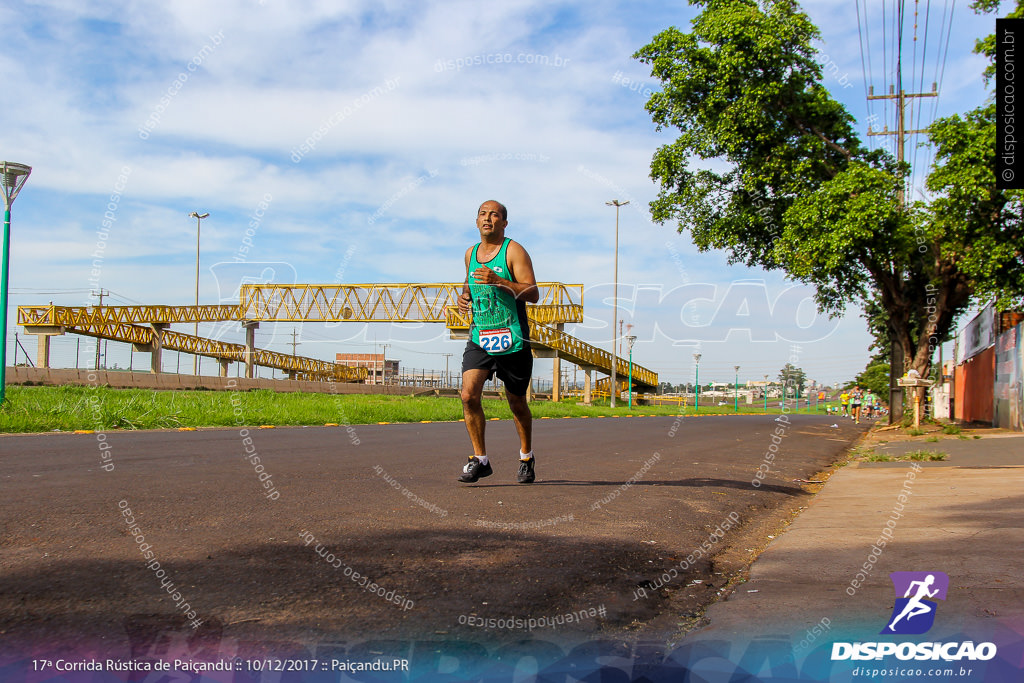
[(917, 175), (34, 290), (885, 58), (863, 37), (940, 76)]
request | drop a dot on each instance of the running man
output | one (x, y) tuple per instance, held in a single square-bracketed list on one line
[(499, 283), (915, 606), (844, 401)]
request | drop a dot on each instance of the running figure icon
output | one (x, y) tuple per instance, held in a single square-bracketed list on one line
[(915, 606), (914, 612)]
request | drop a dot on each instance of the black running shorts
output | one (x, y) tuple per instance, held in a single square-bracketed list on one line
[(514, 369)]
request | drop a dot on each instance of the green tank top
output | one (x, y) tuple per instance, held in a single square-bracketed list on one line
[(499, 320)]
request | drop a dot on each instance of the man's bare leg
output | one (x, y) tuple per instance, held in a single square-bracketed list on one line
[(472, 408), (523, 419), (524, 425)]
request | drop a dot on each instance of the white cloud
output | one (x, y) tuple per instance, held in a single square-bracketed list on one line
[(268, 74)]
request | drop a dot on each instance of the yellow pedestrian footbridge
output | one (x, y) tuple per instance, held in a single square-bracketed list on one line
[(146, 326)]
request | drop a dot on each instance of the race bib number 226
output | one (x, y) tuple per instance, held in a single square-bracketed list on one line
[(496, 341)]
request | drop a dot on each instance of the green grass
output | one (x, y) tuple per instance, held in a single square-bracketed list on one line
[(871, 456), (951, 429), (932, 439), (915, 432), (926, 455), (68, 408)]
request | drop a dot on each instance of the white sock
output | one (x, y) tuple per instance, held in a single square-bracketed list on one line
[(525, 456), (481, 458)]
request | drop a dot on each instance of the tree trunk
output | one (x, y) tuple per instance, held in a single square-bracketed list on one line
[(895, 372)]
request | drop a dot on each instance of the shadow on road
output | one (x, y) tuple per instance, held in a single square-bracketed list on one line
[(698, 482), (289, 589)]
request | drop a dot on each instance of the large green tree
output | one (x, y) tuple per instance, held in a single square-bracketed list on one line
[(793, 377), (875, 378), (769, 167)]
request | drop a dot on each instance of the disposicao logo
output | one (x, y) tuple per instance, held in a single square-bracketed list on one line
[(914, 614), (914, 611)]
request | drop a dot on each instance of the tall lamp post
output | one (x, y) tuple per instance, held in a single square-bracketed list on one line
[(199, 224), (736, 390), (766, 393), (696, 384), (14, 177), (631, 339), (615, 294)]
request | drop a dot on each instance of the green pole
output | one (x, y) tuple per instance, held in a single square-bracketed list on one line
[(766, 397), (3, 303), (736, 392), (783, 395), (696, 389)]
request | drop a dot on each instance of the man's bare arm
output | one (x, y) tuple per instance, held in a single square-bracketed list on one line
[(525, 286)]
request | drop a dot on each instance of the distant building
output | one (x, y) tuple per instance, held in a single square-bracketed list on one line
[(381, 371)]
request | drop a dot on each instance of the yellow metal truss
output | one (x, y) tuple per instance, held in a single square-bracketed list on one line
[(389, 302), (74, 316), (581, 353), (306, 368), (559, 303), (395, 302)]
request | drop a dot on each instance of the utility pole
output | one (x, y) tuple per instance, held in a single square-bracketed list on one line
[(447, 377), (199, 225), (612, 380), (295, 341), (897, 360), (100, 295)]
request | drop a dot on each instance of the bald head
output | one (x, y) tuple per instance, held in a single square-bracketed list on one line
[(501, 208)]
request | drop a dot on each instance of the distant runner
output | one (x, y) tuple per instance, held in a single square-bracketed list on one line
[(855, 400), (499, 283)]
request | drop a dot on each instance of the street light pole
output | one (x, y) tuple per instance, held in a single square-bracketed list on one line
[(14, 177), (696, 384), (615, 295), (766, 393), (199, 224), (631, 339), (736, 390)]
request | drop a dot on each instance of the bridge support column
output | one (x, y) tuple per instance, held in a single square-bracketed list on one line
[(250, 347), (556, 378), (541, 352), (44, 332), (43, 352), (556, 370), (588, 371), (156, 348), (223, 364)]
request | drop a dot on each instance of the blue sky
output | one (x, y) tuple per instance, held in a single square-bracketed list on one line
[(355, 140)]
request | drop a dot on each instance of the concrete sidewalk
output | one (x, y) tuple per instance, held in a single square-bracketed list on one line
[(826, 578)]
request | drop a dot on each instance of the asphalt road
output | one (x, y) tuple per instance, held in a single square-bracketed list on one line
[(270, 551)]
